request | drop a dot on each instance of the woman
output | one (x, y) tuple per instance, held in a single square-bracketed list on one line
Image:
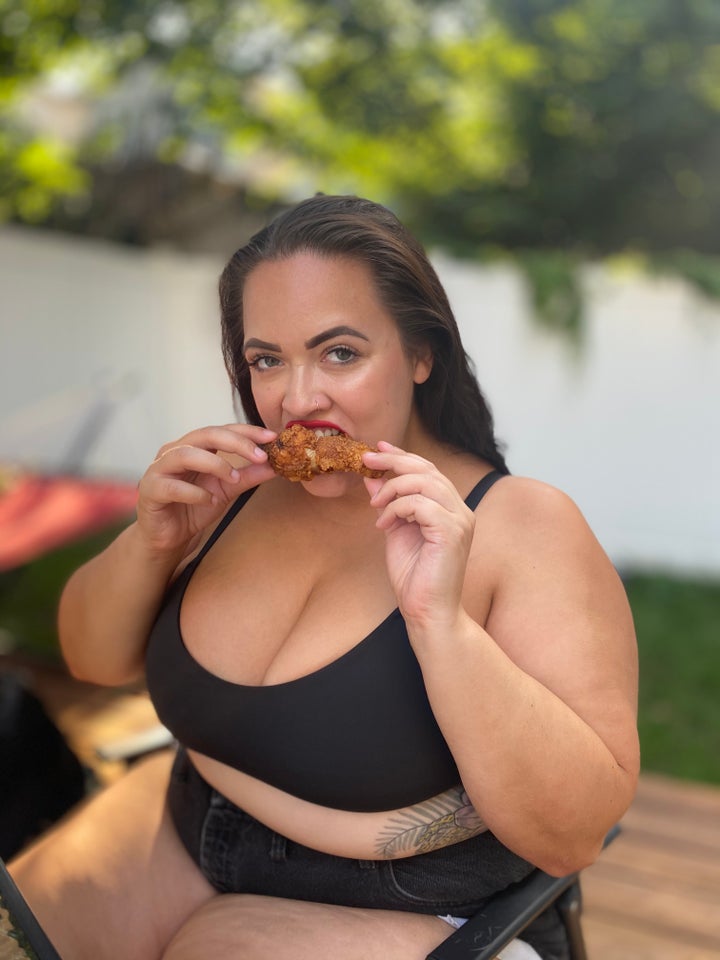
[(394, 695)]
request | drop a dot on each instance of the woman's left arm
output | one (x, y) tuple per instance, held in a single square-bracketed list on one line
[(537, 699)]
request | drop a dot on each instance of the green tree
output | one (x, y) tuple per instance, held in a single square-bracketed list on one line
[(556, 129)]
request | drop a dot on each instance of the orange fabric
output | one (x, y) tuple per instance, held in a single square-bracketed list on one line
[(38, 514)]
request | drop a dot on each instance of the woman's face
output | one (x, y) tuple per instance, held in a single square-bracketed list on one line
[(324, 351)]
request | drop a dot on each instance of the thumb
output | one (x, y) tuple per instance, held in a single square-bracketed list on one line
[(373, 485)]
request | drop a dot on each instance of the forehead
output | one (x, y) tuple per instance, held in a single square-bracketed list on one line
[(309, 289)]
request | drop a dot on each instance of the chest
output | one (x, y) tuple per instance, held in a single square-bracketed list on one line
[(269, 605)]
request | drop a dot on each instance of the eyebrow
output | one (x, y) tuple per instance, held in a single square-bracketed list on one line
[(340, 331), (261, 345)]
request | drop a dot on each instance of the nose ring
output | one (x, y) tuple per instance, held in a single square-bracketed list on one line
[(317, 405)]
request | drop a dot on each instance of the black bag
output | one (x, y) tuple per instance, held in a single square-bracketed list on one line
[(40, 776)]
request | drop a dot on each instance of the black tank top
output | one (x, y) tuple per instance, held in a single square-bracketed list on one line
[(357, 734)]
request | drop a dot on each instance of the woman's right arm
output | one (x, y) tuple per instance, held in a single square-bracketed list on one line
[(109, 605)]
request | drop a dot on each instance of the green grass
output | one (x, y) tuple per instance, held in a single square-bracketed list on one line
[(677, 622), (29, 595), (678, 628)]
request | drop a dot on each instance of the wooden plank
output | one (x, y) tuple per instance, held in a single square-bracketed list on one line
[(700, 837), (649, 807), (655, 862), (689, 795), (662, 853), (606, 939), (684, 818), (654, 893), (672, 914)]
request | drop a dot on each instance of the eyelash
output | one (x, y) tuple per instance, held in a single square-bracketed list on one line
[(343, 346), (257, 361)]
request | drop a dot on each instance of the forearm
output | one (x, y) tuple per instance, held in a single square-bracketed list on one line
[(542, 778), (108, 607)]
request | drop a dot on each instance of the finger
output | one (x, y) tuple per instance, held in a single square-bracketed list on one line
[(395, 459), (185, 458), (173, 490), (413, 509), (373, 485), (241, 439), (255, 474), (434, 486)]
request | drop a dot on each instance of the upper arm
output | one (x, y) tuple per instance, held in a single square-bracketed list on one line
[(559, 609)]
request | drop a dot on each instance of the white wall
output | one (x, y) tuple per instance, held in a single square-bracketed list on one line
[(628, 427), (80, 319)]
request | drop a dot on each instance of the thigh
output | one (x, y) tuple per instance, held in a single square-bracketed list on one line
[(255, 928), (113, 882)]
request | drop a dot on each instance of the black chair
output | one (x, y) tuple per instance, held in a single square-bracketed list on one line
[(501, 920), (21, 936), (509, 912)]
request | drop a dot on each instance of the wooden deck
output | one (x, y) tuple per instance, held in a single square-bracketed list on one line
[(653, 895)]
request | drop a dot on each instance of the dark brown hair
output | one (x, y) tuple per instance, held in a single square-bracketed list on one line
[(450, 403)]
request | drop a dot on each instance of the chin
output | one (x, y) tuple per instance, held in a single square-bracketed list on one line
[(331, 485)]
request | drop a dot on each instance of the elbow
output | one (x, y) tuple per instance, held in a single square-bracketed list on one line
[(102, 674), (107, 676), (564, 861), (101, 678), (565, 854)]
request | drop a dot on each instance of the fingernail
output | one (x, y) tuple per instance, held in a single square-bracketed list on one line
[(234, 475)]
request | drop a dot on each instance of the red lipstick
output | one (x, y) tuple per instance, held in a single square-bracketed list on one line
[(315, 425)]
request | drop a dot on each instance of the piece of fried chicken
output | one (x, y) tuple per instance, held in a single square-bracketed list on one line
[(300, 454)]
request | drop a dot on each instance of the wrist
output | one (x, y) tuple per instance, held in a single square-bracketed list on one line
[(141, 550), (443, 628)]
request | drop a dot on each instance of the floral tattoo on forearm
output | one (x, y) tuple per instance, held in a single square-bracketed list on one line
[(447, 818)]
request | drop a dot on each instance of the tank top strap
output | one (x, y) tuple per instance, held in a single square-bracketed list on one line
[(472, 500), (233, 510), (482, 487)]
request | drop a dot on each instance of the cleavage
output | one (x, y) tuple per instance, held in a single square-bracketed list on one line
[(248, 626)]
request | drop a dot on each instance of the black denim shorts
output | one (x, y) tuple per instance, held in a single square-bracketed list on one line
[(237, 854)]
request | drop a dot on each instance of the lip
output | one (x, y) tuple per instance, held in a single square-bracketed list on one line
[(316, 425)]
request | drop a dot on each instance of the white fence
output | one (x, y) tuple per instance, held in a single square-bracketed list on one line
[(629, 427)]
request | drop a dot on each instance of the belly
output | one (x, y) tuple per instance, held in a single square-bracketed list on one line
[(427, 825)]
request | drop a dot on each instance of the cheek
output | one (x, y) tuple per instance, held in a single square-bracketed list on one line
[(396, 403), (266, 396)]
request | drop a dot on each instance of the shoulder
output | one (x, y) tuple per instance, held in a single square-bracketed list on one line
[(529, 532), (558, 606), (524, 508)]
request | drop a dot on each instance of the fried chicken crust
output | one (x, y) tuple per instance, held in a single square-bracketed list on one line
[(298, 454)]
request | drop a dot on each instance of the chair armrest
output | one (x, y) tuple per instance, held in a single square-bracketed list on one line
[(503, 918), (18, 927), (136, 745), (507, 914)]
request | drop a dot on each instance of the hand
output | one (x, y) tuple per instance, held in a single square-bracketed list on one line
[(428, 530), (189, 484)]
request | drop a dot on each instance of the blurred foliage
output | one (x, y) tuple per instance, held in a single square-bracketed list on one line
[(29, 595), (554, 285), (679, 710), (576, 128)]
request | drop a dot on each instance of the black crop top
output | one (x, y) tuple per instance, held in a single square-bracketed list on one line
[(357, 734)]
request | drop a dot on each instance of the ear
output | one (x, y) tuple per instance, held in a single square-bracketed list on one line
[(422, 366)]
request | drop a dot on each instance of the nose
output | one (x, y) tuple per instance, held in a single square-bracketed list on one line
[(302, 395)]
